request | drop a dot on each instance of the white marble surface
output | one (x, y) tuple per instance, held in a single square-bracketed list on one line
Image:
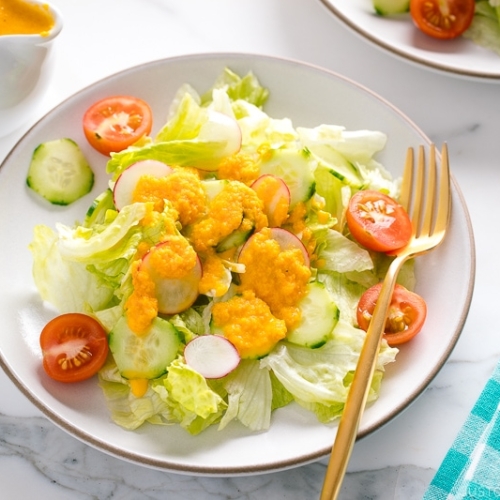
[(100, 37)]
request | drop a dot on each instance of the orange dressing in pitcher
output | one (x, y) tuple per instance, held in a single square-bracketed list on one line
[(18, 17)]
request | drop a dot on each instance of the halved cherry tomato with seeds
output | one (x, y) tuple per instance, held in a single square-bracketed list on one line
[(406, 316), (444, 19), (377, 221), (74, 347), (115, 123)]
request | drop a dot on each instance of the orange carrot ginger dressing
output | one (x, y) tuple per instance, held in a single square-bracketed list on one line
[(18, 17)]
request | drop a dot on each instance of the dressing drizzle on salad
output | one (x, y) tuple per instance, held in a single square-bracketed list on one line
[(243, 237)]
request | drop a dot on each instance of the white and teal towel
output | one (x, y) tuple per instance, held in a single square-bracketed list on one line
[(471, 468)]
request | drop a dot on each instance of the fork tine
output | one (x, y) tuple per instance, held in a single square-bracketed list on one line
[(430, 194), (418, 189), (443, 213), (405, 195)]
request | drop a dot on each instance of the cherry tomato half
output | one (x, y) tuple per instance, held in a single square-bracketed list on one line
[(443, 19), (114, 123), (378, 222), (406, 316), (74, 347)]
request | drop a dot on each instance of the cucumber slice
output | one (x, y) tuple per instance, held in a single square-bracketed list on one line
[(214, 187), (96, 214), (338, 165), (319, 317), (329, 186), (295, 167), (234, 240), (147, 355), (59, 172), (388, 7)]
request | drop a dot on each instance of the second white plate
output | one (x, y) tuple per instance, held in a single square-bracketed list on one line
[(397, 34)]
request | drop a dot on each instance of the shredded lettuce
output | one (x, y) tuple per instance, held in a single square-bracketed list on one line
[(128, 410), (319, 379), (247, 88)]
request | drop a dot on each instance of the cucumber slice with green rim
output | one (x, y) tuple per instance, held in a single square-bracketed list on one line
[(60, 172), (214, 187), (388, 7), (329, 187), (144, 356), (319, 317), (96, 213), (234, 240), (295, 167)]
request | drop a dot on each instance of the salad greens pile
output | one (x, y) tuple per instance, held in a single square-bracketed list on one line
[(86, 268), (485, 27)]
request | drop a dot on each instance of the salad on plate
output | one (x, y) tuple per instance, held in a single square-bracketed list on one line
[(476, 20), (219, 276)]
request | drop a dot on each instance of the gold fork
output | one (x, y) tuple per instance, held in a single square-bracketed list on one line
[(428, 203)]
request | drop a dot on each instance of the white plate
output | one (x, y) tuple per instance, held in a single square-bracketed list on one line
[(398, 35), (308, 95)]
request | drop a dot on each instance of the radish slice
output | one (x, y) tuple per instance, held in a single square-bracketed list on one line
[(221, 127), (127, 181), (275, 195), (212, 356), (175, 295), (286, 240)]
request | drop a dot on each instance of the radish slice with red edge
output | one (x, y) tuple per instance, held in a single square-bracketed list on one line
[(126, 183), (286, 241), (212, 356), (221, 127), (175, 295), (272, 190)]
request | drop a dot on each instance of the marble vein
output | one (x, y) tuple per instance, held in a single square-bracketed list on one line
[(81, 472)]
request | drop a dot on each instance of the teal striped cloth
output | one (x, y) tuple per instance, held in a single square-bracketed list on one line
[(471, 468)]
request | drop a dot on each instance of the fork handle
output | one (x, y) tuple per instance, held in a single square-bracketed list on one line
[(360, 387)]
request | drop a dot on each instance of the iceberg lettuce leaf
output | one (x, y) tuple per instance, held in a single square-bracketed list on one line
[(246, 88), (258, 128), (65, 284), (128, 410), (185, 123), (250, 396), (485, 27), (188, 139), (83, 244), (322, 376), (193, 402), (340, 254), (354, 145)]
